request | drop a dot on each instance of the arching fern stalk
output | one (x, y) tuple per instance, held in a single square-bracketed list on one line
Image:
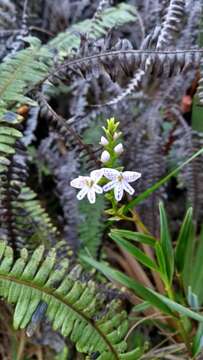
[(73, 307)]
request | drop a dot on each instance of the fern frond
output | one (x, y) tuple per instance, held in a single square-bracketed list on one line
[(34, 219), (97, 17), (174, 18), (91, 226), (100, 8), (13, 174), (72, 306), (163, 63), (21, 215), (18, 41), (20, 72), (64, 166), (111, 17), (144, 64), (200, 87), (65, 130)]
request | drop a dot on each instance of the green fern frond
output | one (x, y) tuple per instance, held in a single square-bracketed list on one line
[(9, 134), (36, 217), (111, 17), (20, 72), (73, 306), (91, 225)]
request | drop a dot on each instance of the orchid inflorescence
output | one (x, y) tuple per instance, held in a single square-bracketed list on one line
[(119, 181)]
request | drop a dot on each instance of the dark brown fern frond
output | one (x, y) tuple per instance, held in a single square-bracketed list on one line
[(145, 64), (200, 87), (171, 25), (69, 135), (13, 178), (64, 166), (97, 15), (188, 142)]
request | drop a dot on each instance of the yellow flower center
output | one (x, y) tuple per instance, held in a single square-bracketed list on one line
[(120, 177), (89, 183)]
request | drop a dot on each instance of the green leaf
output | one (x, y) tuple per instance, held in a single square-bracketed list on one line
[(139, 289), (166, 243), (183, 239), (145, 305), (194, 276), (174, 306), (161, 261), (36, 284), (135, 236), (144, 195), (157, 300), (192, 299), (132, 355), (134, 251), (198, 341), (20, 72)]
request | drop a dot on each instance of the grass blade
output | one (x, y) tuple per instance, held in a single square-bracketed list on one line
[(139, 290), (135, 252), (159, 301), (166, 243), (144, 195), (183, 240), (135, 236)]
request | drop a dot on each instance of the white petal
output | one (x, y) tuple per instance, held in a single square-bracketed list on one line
[(98, 189), (118, 191), (119, 149), (78, 183), (131, 176), (96, 175), (128, 188), (117, 135), (105, 156), (103, 141), (91, 196), (111, 174), (82, 193), (109, 186)]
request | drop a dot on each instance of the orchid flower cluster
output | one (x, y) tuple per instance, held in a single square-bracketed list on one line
[(119, 180)]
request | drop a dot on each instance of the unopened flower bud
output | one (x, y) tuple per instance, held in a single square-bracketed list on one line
[(105, 156), (117, 135), (103, 141), (119, 149)]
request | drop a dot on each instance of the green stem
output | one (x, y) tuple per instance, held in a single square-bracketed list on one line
[(21, 346)]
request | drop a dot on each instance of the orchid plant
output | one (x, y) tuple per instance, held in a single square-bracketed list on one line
[(119, 180)]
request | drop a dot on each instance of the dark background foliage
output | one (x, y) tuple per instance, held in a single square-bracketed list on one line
[(154, 99)]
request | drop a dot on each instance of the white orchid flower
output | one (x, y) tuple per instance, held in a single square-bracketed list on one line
[(120, 181), (88, 185)]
